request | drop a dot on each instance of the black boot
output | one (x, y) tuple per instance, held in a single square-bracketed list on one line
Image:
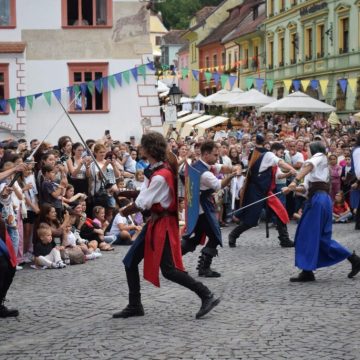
[(236, 232), (134, 308), (205, 260), (304, 276), (284, 238), (207, 304), (187, 245), (5, 312), (355, 265)]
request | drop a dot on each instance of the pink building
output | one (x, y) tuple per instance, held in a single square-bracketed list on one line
[(184, 84)]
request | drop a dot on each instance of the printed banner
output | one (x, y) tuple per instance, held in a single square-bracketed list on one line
[(192, 197)]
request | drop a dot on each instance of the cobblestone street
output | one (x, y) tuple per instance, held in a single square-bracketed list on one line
[(66, 314)]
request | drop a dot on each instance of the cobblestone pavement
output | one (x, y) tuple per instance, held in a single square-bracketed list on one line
[(66, 314)]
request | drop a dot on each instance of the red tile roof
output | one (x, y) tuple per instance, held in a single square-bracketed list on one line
[(12, 47), (173, 37)]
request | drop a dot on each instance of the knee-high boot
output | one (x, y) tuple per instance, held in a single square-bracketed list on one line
[(284, 235), (236, 232), (205, 260)]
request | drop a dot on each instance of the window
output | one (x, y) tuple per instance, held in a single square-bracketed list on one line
[(215, 63), (340, 98), (293, 48), (282, 5), (344, 35), (271, 54), (320, 33), (271, 8), (246, 58), (281, 52), (158, 40), (207, 62), (81, 73), (4, 86), (235, 59), (7, 14), (86, 13), (223, 59), (229, 61), (308, 44), (255, 12)]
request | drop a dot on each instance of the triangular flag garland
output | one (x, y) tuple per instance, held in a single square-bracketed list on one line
[(259, 83), (216, 78), (296, 85), (224, 78), (208, 76), (249, 83), (323, 86), (305, 84), (98, 84), (352, 84), (287, 84), (343, 85), (232, 80), (270, 85)]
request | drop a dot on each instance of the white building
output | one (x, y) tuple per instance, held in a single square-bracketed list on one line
[(53, 44)]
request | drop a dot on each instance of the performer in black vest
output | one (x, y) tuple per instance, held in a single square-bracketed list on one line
[(207, 223), (257, 186)]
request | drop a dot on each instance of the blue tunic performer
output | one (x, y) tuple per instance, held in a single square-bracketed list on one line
[(314, 247)]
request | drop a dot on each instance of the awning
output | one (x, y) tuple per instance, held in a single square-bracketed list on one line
[(180, 122), (183, 113), (210, 123), (188, 127)]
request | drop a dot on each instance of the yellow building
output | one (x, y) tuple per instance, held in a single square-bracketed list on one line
[(157, 31)]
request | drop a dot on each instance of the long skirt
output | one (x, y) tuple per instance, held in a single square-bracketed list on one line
[(314, 247)]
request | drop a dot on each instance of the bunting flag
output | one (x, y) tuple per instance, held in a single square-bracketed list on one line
[(352, 84), (208, 76), (343, 85), (223, 79), (151, 66), (184, 73), (3, 104), (249, 83), (305, 84), (83, 88), (118, 78), (259, 83), (76, 89), (22, 102), (195, 74), (98, 85), (12, 103), (57, 94), (111, 80), (47, 96), (30, 100), (287, 84), (91, 87), (314, 84), (232, 80), (105, 83), (270, 85), (296, 84), (323, 86), (216, 78), (126, 76), (142, 71), (134, 72)]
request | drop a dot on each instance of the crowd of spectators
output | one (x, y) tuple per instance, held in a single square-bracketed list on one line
[(64, 207)]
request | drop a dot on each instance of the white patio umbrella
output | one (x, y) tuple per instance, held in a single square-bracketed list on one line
[(199, 98), (162, 87), (209, 100), (252, 97), (186, 100), (298, 102)]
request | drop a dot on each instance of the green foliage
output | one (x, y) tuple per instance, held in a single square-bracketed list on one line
[(176, 14)]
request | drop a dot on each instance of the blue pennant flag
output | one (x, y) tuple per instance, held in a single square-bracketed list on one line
[(195, 74), (105, 82), (192, 197), (3, 104), (98, 85), (83, 87), (134, 71), (22, 102), (216, 77), (57, 94), (259, 83), (343, 85), (70, 90), (296, 85), (232, 80), (38, 95), (314, 84), (150, 65), (118, 78)]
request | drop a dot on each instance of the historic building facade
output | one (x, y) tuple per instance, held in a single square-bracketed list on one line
[(310, 41)]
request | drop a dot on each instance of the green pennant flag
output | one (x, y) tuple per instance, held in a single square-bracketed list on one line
[(142, 71), (76, 89), (30, 100), (224, 78), (270, 85), (47, 96), (184, 73), (249, 83), (208, 76), (126, 76), (111, 79), (12, 103), (90, 85)]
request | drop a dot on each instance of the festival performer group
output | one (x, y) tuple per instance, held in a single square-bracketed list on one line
[(68, 204)]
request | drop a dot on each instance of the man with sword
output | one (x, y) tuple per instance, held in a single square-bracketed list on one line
[(259, 184)]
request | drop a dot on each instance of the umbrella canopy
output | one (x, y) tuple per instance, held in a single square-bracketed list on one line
[(252, 97), (186, 100), (209, 100), (161, 87), (199, 98), (298, 102), (181, 121)]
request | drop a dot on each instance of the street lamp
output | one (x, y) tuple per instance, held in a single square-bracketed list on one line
[(175, 95)]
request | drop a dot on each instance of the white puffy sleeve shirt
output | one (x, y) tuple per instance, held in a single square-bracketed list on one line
[(320, 170)]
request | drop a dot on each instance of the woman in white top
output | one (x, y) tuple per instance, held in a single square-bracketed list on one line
[(314, 247)]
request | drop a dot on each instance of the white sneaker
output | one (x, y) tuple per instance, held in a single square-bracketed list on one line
[(97, 254), (18, 267), (97, 250), (60, 265), (91, 256)]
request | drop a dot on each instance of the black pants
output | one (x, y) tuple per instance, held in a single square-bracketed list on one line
[(357, 217), (203, 227), (168, 270), (7, 273)]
